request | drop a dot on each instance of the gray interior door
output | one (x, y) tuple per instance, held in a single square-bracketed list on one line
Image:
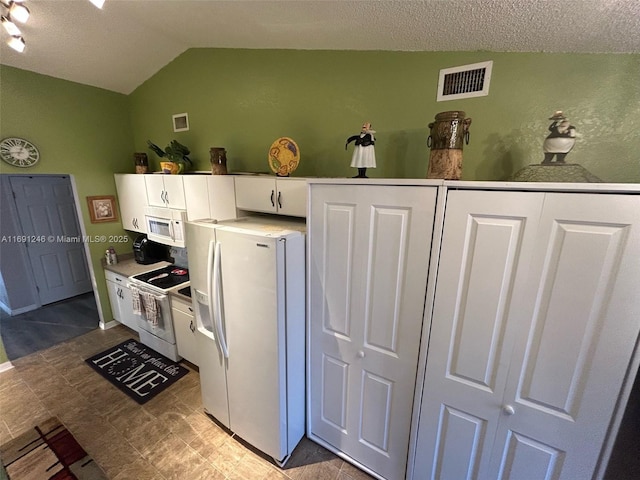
[(47, 213)]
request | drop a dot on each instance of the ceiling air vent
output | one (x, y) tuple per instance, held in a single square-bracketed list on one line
[(464, 82)]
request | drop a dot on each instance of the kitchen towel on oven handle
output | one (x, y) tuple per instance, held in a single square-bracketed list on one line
[(151, 310), (135, 299)]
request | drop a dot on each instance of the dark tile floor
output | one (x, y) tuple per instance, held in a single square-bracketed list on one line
[(50, 325)]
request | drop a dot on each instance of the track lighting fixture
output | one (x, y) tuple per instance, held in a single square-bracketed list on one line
[(10, 27), (18, 11), (17, 43), (15, 12)]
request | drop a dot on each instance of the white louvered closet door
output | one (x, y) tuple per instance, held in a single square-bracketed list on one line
[(368, 265)]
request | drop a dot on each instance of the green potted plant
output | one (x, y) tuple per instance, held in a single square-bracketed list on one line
[(175, 153)]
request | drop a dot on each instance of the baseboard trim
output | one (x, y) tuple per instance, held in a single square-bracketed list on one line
[(5, 366), (108, 325), (17, 311)]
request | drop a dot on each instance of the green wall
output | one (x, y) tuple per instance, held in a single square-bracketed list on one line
[(244, 99), (80, 130)]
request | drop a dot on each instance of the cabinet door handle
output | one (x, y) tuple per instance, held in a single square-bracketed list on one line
[(279, 199), (134, 223), (166, 197), (273, 204), (162, 196), (191, 327)]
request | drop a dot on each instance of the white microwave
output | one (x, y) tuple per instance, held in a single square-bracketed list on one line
[(165, 225)]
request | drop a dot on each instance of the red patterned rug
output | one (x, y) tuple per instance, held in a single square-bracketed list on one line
[(48, 451)]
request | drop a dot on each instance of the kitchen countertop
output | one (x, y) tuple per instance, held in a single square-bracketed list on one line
[(127, 266), (182, 297)]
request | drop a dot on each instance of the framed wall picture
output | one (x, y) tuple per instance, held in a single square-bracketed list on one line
[(181, 122), (103, 209)]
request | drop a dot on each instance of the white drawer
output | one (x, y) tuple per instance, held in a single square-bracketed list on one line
[(115, 277)]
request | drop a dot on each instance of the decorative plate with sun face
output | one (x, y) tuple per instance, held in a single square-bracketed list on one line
[(284, 156), (19, 152)]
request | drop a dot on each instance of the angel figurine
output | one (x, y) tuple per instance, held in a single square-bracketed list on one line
[(364, 155)]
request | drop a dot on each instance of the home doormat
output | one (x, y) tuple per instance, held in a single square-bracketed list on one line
[(47, 451), (137, 370)]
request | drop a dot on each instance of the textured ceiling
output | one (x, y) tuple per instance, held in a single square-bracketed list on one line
[(125, 43)]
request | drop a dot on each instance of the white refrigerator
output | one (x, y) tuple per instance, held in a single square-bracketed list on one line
[(248, 290)]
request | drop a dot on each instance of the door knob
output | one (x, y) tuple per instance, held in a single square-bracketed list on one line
[(508, 409), (360, 354)]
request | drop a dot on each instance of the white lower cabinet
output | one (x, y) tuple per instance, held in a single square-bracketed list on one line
[(184, 325), (120, 299), (533, 330), (368, 264)]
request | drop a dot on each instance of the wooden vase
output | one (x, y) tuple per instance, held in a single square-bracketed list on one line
[(448, 134), (218, 160)]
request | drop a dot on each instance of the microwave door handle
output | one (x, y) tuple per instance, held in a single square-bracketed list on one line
[(216, 288), (173, 237)]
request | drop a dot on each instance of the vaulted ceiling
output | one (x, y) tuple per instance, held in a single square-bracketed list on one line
[(128, 41)]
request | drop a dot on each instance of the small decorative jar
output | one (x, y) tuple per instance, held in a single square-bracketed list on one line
[(142, 162), (448, 134), (218, 160)]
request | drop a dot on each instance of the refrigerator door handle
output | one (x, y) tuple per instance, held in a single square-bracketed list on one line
[(199, 322), (216, 288)]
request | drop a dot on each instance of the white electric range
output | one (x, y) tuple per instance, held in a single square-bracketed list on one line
[(155, 324)]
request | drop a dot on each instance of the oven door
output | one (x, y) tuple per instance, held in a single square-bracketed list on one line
[(157, 332)]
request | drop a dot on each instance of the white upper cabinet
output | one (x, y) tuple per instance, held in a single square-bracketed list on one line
[(132, 199), (210, 196), (165, 191), (369, 252), (269, 194)]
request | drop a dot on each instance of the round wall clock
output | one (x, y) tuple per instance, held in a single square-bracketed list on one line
[(19, 152)]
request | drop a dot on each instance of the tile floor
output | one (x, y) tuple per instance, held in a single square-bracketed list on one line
[(169, 437), (48, 326)]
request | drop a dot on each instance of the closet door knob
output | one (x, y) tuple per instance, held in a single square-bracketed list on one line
[(361, 354), (508, 410)]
